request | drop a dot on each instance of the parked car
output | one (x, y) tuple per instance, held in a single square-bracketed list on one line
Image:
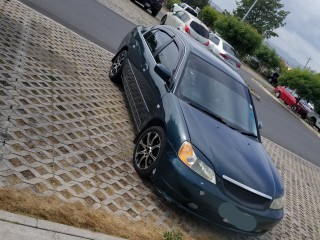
[(314, 119), (187, 23), (273, 79), (290, 98), (302, 108), (198, 136), (154, 5), (223, 50), (183, 6)]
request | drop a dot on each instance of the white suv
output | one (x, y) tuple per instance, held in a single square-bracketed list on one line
[(189, 24), (182, 6)]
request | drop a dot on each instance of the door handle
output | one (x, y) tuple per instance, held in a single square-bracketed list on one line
[(144, 67)]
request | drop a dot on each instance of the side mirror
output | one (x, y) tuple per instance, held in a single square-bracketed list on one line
[(260, 125), (163, 72)]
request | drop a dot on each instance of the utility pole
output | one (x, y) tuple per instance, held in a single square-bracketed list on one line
[(309, 59), (252, 6)]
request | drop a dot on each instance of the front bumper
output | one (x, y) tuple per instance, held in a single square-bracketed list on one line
[(181, 185)]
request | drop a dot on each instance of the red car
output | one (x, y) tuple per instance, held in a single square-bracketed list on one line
[(290, 97)]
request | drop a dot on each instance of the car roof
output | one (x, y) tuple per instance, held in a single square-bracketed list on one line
[(198, 49)]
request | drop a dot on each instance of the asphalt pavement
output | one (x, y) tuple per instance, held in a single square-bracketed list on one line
[(106, 28)]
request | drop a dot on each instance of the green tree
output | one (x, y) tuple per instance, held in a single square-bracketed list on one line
[(266, 16), (268, 57), (243, 37), (197, 3), (209, 16), (306, 83)]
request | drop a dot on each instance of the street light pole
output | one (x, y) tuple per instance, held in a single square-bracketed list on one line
[(252, 6), (308, 60)]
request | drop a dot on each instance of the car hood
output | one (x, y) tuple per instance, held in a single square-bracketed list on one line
[(232, 154)]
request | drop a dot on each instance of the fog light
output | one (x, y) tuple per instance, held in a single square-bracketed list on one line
[(192, 205)]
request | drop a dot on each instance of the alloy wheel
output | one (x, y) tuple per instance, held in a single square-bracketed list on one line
[(117, 64), (148, 150)]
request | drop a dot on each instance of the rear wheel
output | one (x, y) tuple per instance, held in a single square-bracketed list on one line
[(149, 150), (163, 20), (294, 108), (278, 94), (313, 121), (117, 66)]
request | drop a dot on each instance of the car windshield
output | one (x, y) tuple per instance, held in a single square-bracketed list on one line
[(223, 97), (198, 28), (229, 49)]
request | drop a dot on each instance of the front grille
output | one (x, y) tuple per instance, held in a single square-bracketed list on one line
[(245, 197)]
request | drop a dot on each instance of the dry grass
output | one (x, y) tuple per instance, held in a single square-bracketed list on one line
[(75, 214)]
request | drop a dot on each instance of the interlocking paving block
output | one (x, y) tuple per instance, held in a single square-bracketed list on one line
[(65, 129)]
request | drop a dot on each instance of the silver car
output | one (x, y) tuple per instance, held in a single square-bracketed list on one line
[(314, 119), (223, 50)]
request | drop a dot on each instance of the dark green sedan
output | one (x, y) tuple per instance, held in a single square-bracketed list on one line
[(198, 135)]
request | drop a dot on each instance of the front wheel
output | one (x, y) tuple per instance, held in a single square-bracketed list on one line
[(117, 66), (278, 94), (149, 150), (163, 20)]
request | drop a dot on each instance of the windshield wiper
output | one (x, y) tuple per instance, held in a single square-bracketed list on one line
[(215, 116), (248, 134)]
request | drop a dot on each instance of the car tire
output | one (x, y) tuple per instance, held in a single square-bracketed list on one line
[(117, 66), (163, 20), (278, 94), (148, 151), (294, 108)]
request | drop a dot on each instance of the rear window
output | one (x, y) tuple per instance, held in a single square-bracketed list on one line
[(192, 12), (198, 28), (229, 49)]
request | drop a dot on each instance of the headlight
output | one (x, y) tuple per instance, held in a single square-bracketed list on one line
[(277, 203), (187, 155)]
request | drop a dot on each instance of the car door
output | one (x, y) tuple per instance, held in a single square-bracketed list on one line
[(288, 98), (137, 79), (154, 88)]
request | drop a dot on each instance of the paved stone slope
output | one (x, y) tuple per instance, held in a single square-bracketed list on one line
[(65, 129)]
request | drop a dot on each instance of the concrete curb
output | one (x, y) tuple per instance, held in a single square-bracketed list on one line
[(34, 223)]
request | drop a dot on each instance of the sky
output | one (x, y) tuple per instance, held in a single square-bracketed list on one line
[(300, 37)]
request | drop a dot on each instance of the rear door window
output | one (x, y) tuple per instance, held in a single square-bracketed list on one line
[(198, 28), (169, 56), (156, 39)]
